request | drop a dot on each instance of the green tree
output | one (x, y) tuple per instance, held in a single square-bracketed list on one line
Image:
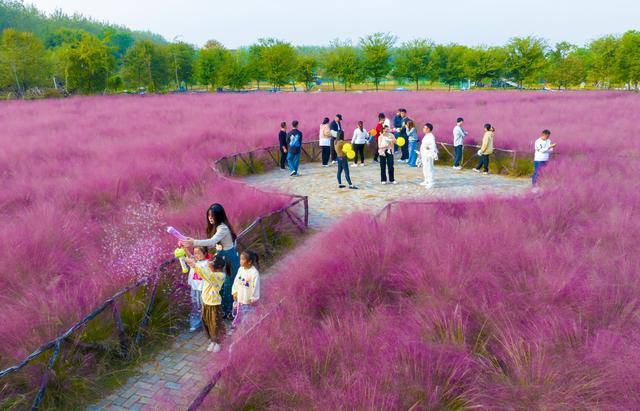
[(525, 58), (628, 58), (118, 41), (23, 61), (181, 60), (565, 66), (376, 50), (146, 64), (413, 61), (602, 60), (484, 64), (449, 63), (278, 61), (64, 36), (343, 63), (306, 70), (235, 70), (208, 66), (256, 67), (86, 64)]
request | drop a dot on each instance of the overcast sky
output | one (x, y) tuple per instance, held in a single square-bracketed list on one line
[(304, 22)]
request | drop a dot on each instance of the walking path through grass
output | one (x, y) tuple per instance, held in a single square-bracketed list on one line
[(173, 378)]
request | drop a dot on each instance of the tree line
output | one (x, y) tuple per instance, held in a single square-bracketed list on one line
[(86, 62)]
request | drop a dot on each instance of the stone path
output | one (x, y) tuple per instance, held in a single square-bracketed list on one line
[(175, 376), (327, 202)]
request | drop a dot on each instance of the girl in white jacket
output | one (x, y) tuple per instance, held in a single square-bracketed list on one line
[(428, 154), (246, 287)]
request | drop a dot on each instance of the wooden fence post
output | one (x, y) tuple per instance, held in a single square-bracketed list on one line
[(122, 336)]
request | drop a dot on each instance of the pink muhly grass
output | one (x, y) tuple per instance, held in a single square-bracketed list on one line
[(501, 304)]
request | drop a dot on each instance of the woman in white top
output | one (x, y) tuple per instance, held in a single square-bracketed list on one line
[(324, 136), (359, 139), (428, 154), (220, 231)]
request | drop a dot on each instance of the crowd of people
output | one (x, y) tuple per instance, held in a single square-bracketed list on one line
[(225, 284), (390, 138)]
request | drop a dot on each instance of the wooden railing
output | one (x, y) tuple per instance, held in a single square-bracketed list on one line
[(256, 233)]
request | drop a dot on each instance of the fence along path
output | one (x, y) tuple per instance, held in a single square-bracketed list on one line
[(183, 362), (174, 378)]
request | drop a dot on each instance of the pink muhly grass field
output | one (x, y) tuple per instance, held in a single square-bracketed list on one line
[(85, 180), (527, 303)]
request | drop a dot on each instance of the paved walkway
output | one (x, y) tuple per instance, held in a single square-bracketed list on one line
[(327, 201), (174, 377)]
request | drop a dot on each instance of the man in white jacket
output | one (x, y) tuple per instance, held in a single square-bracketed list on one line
[(543, 148), (458, 142), (428, 154)]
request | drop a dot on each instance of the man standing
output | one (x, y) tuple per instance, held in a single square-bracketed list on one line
[(397, 125), (282, 139), (543, 148), (403, 134), (458, 136), (335, 126), (294, 140)]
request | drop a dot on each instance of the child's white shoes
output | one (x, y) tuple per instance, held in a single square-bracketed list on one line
[(214, 347)]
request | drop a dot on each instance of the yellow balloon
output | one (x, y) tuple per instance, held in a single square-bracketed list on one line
[(346, 148), (400, 141), (351, 155)]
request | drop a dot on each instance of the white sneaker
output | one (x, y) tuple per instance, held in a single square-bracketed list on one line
[(211, 347), (383, 183), (325, 165), (476, 170), (485, 173), (394, 182), (457, 168), (293, 173), (423, 184), (216, 348), (334, 162)]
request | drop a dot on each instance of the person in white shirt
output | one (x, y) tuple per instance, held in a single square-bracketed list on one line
[(246, 287), (324, 135), (543, 148), (428, 154), (458, 142), (359, 139)]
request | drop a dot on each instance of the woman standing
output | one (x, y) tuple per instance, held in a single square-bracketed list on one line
[(220, 231), (386, 143), (324, 136), (428, 154), (412, 135), (486, 149), (359, 139)]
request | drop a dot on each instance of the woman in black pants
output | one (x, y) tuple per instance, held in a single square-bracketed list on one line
[(359, 139), (324, 136), (386, 143)]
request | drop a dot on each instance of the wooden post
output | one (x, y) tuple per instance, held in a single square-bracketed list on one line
[(306, 211), (45, 377), (122, 336)]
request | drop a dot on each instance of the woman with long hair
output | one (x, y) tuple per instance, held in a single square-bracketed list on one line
[(324, 135), (223, 237)]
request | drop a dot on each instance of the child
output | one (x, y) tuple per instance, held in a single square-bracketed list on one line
[(213, 276), (343, 162), (200, 258), (246, 287)]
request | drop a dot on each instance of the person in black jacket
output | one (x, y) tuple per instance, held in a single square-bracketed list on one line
[(282, 140), (335, 126)]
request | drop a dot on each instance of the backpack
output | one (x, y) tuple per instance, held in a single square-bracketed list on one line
[(295, 141)]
